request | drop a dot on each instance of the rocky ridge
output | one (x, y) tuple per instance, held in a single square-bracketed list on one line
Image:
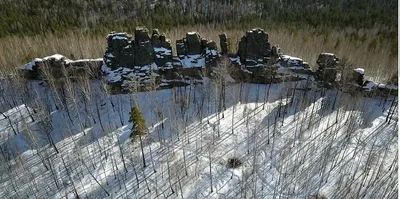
[(147, 61)]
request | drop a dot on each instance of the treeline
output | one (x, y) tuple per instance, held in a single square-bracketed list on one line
[(32, 17)]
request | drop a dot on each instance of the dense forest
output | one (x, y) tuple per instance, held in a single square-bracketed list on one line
[(43, 16)]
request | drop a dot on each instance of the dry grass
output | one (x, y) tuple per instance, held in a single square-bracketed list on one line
[(15, 51)]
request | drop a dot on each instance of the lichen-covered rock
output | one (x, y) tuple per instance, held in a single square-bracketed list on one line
[(223, 43)]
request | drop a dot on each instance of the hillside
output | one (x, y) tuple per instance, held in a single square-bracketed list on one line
[(292, 142)]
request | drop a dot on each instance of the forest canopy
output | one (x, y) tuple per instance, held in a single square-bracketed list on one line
[(33, 17)]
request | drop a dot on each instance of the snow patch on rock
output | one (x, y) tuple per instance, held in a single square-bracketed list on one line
[(360, 71), (193, 61)]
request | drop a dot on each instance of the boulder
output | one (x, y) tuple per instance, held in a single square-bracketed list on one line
[(358, 76), (327, 60), (294, 63)]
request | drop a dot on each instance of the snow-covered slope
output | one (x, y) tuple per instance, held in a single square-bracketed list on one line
[(293, 139)]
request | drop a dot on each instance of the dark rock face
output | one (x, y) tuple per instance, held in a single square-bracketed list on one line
[(327, 67), (254, 48), (123, 51), (120, 51), (210, 51), (143, 48), (162, 49), (358, 76), (275, 53), (181, 47), (194, 51), (223, 43), (242, 49), (142, 34), (193, 43)]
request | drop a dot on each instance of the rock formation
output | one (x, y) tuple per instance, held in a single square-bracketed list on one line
[(147, 62), (119, 51), (358, 79), (358, 76), (59, 66), (162, 49), (255, 49), (223, 43), (123, 51), (327, 70), (143, 48), (193, 43), (194, 51)]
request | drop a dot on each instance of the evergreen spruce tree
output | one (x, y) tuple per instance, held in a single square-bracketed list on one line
[(138, 128)]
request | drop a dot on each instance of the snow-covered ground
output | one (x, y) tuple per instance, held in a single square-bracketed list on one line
[(293, 142)]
